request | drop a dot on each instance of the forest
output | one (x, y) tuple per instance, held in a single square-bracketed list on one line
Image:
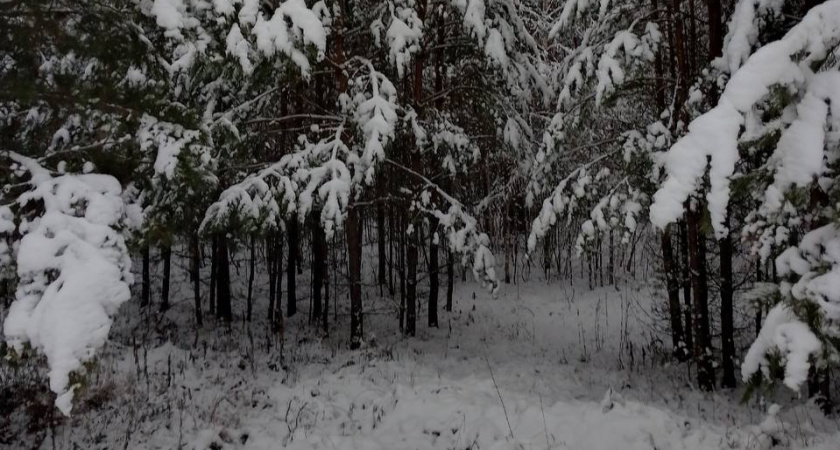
[(420, 224)]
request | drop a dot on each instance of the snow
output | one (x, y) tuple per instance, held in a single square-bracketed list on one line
[(74, 272), (743, 31), (169, 14), (557, 356), (494, 48), (274, 34), (404, 36), (238, 47), (474, 19), (715, 134), (783, 332)]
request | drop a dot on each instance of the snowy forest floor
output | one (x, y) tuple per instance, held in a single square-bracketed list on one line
[(542, 366)]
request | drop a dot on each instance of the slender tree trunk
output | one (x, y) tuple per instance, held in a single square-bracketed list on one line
[(715, 28), (758, 310), (146, 296), (391, 260), (291, 268), (278, 273), (401, 271), (450, 280), (214, 272), (677, 334), (702, 346), (251, 270), (326, 289), (411, 285), (433, 274), (166, 255), (354, 254), (688, 307), (380, 233), (195, 273), (726, 314), (271, 262), (319, 259), (223, 308)]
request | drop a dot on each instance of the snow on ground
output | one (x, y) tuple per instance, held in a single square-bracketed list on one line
[(542, 366)]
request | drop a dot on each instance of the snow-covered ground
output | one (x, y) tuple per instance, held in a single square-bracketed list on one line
[(542, 366)]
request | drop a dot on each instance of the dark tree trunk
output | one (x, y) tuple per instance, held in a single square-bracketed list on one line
[(277, 320), (319, 259), (380, 233), (611, 267), (450, 280), (271, 262), (195, 274), (401, 270), (726, 314), (433, 274), (291, 268), (715, 28), (214, 272), (223, 307), (146, 296), (166, 255), (326, 290), (702, 346), (251, 270), (411, 285), (354, 255), (677, 334), (688, 307)]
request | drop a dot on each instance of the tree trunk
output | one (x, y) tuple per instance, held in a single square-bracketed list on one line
[(380, 233), (223, 307), (433, 274), (411, 285), (166, 255), (270, 260), (326, 289), (726, 314), (146, 296), (677, 334), (251, 270), (702, 345), (450, 281), (291, 267), (319, 258), (195, 273), (715, 28), (214, 271), (688, 307), (354, 255), (401, 270)]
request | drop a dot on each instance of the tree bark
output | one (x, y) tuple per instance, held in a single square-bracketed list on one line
[(223, 307), (450, 280), (688, 307), (726, 313), (195, 272), (411, 285), (319, 258), (702, 346), (214, 272), (146, 295), (677, 333), (166, 255), (434, 269), (291, 267), (380, 233), (354, 255), (251, 270), (271, 258)]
